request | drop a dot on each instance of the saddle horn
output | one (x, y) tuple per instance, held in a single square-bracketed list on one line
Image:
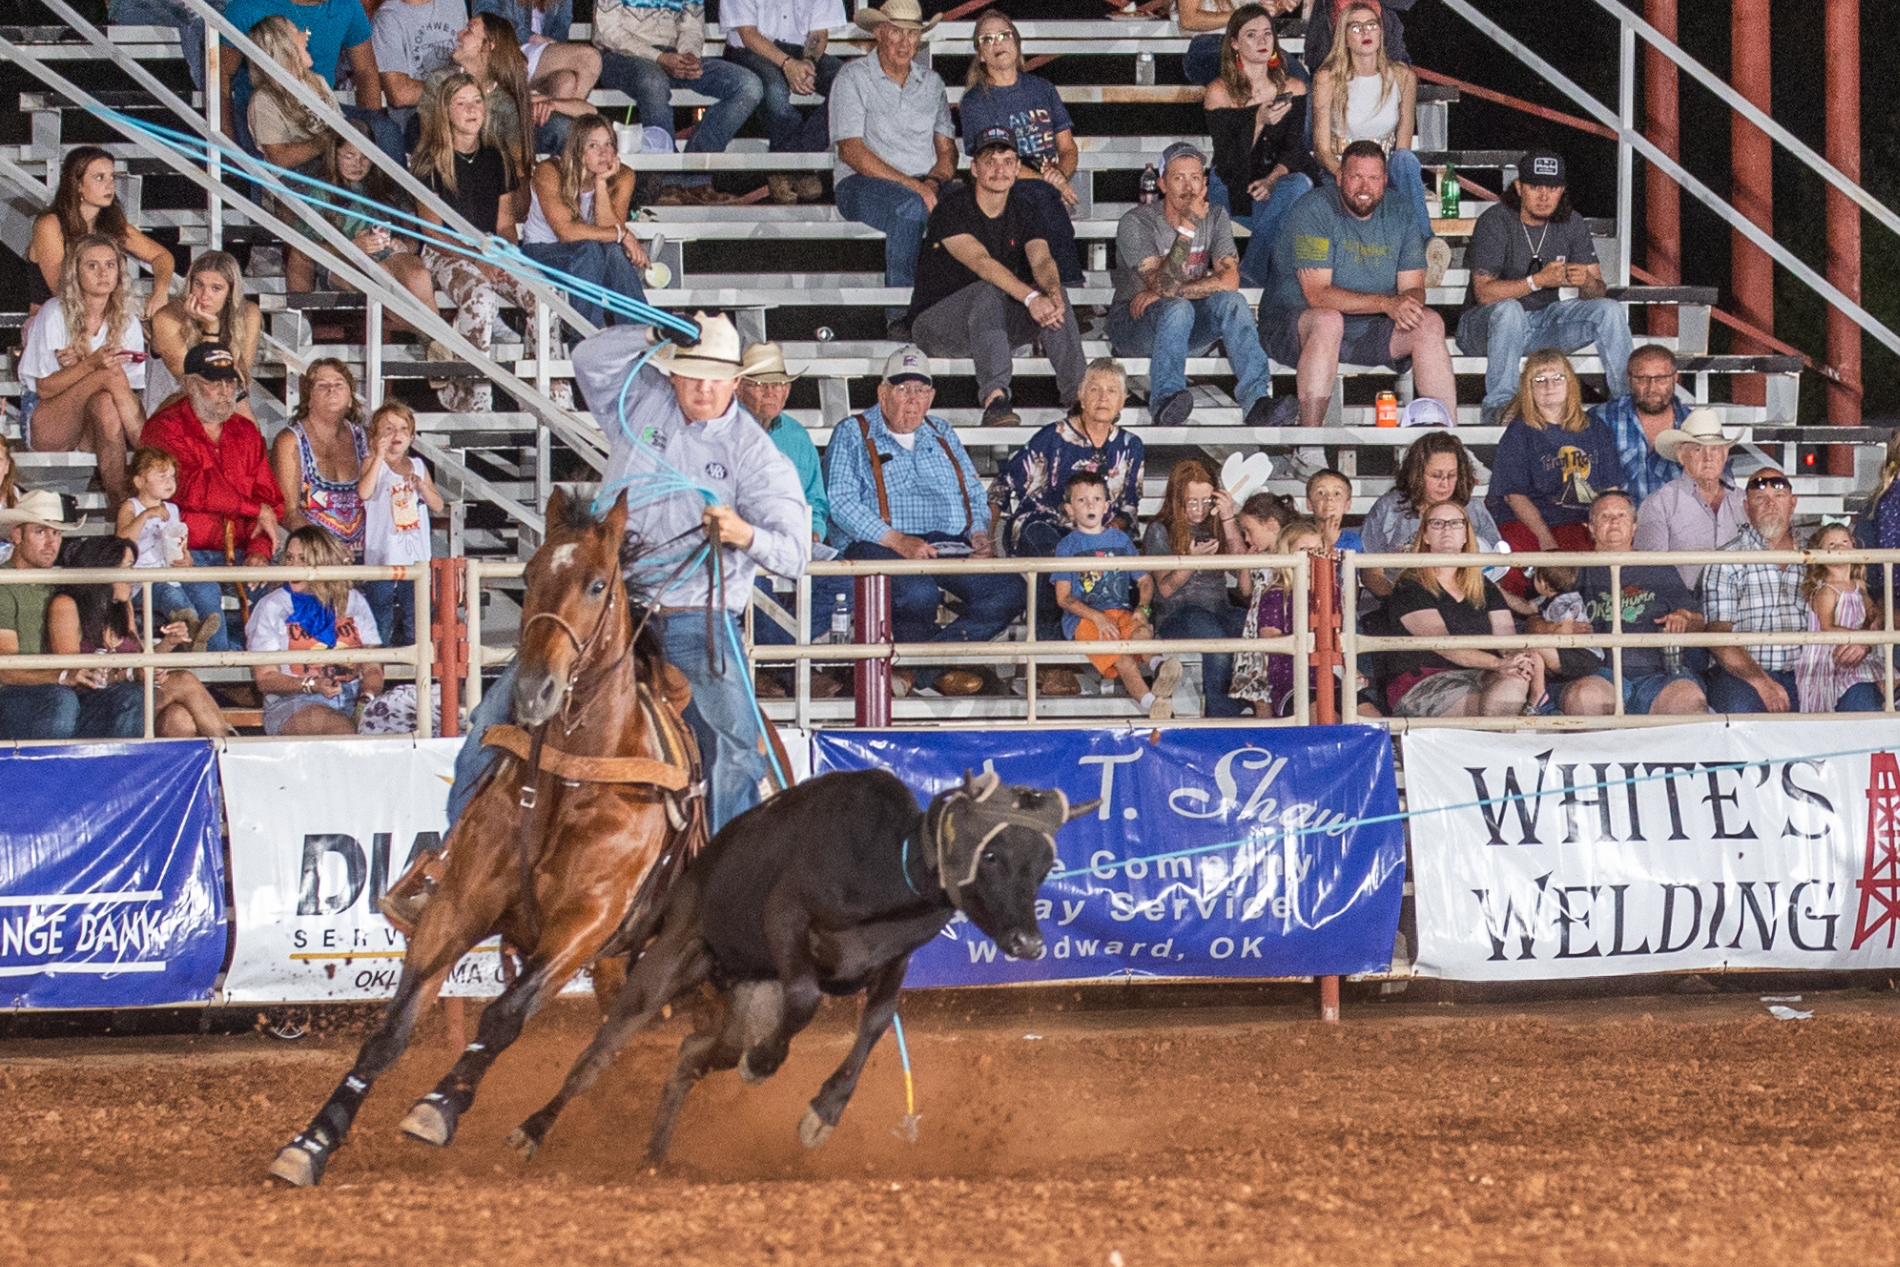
[(1083, 810)]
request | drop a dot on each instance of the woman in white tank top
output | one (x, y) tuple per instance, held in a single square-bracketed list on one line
[(577, 218), (1359, 94)]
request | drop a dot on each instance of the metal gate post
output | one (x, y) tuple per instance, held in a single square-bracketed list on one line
[(1843, 221), (450, 635), (1325, 656), (872, 678)]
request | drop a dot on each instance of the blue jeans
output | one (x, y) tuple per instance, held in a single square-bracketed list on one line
[(602, 263), (394, 603), (1504, 332), (112, 712), (1217, 668), (897, 212), (791, 129), (1172, 330), (1201, 63), (1729, 694), (723, 716), (205, 597), (1263, 222), (737, 89), (989, 602), (38, 712), (190, 26)]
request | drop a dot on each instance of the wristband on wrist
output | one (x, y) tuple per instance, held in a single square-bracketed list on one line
[(1534, 286), (1031, 297)]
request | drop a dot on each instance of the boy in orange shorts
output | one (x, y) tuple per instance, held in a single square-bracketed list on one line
[(1095, 605)]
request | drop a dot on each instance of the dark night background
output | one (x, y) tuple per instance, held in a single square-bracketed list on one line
[(1581, 38)]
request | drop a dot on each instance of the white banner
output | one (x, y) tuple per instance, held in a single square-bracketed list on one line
[(318, 832), (1665, 849)]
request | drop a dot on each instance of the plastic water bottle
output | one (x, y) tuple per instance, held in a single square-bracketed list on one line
[(1150, 184), (1450, 196), (840, 620)]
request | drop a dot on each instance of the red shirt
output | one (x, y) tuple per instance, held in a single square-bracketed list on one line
[(227, 480)]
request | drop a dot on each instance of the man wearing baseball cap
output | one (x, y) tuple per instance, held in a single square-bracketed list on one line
[(902, 487), (986, 281), (1177, 293), (1522, 251)]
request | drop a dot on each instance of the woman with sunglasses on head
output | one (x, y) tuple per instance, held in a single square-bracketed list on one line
[(1550, 462)]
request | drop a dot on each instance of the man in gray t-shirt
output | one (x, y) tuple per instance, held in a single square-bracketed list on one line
[(1177, 293), (1521, 251), (412, 38)]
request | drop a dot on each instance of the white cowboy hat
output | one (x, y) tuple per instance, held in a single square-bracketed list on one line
[(1702, 426), (905, 15), (716, 356), (765, 363), (40, 506)]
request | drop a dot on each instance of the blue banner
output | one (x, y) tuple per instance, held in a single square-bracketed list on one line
[(111, 875), (1215, 853)]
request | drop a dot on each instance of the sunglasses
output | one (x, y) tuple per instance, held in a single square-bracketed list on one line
[(1557, 380), (996, 37), (1779, 482)]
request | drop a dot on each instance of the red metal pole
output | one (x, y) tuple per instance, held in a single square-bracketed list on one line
[(1843, 220), (1326, 654), (1752, 272), (872, 678), (450, 635), (1662, 198)]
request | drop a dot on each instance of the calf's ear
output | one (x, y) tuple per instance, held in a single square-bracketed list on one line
[(1083, 810)]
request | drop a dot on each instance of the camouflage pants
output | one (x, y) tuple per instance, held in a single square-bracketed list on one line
[(477, 302)]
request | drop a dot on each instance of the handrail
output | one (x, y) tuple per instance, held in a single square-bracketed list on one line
[(1763, 337), (1515, 103)]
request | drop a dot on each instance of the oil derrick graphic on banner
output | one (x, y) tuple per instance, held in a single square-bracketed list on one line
[(1880, 876)]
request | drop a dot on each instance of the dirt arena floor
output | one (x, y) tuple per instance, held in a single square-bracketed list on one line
[(1654, 1130)]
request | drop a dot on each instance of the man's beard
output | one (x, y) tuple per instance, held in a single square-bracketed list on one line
[(1362, 207)]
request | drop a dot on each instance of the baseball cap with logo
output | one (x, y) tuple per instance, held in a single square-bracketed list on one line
[(212, 362), (1542, 167), (1182, 149), (990, 138), (908, 365)]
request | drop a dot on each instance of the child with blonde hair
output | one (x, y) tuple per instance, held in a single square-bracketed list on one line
[(395, 487), (150, 520), (1266, 678), (1836, 596)]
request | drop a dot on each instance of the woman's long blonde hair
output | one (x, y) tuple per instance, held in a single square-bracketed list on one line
[(1524, 405), (1303, 526), (72, 301), (1338, 69), (571, 162), (278, 36), (1239, 87), (225, 265), (322, 550), (435, 149), (1470, 580), (979, 76)]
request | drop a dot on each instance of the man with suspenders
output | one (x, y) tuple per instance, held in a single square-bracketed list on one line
[(902, 486)]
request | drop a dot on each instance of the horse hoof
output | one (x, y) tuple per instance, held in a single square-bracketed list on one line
[(523, 1143), (297, 1167), (429, 1124), (749, 1074), (812, 1129)]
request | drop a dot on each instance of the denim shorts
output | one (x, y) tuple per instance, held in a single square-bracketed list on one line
[(1639, 693), (1367, 340)]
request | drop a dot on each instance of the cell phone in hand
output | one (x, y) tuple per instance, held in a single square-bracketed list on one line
[(137, 358)]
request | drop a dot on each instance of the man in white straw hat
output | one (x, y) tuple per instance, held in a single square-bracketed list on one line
[(1701, 509), (679, 415), (41, 703), (895, 145)]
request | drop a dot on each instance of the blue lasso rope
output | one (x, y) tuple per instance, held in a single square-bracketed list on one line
[(1338, 828)]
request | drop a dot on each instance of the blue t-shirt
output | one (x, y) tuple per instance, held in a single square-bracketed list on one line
[(1349, 539), (1560, 471), (1104, 591), (1366, 256), (334, 25), (1030, 108)]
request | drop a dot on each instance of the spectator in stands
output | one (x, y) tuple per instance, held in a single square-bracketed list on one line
[(1436, 468), (1329, 501), (558, 70), (150, 520), (320, 457), (543, 100), (1026, 497), (1521, 251), (1198, 517), (289, 134), (87, 202), (1836, 595), (83, 365), (213, 309), (1451, 601), (1550, 463), (36, 703), (413, 39), (9, 493), (313, 699), (1322, 25), (1256, 114), (1349, 284), (226, 493), (987, 282), (398, 497), (375, 237), (1109, 605), (1638, 419), (896, 148), (1361, 94), (471, 176), (1701, 509), (1265, 679), (783, 43), (1200, 65), (1653, 600), (1745, 597), (338, 32), (650, 47), (1177, 293), (169, 13), (1878, 529), (101, 620), (578, 214), (1000, 94), (902, 487)]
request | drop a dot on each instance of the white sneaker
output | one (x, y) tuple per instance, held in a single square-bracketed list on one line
[(1308, 460), (1167, 678), (1437, 261)]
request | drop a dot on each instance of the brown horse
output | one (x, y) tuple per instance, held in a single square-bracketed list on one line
[(569, 842)]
